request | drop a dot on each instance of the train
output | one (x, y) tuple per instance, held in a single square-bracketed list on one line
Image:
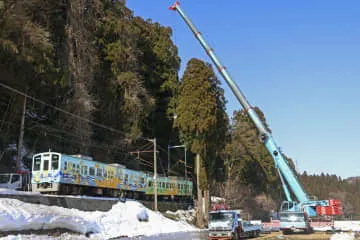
[(62, 174)]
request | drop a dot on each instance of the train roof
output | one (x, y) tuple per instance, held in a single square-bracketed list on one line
[(117, 165), (82, 157)]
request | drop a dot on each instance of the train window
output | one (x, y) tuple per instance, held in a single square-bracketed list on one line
[(77, 168), (99, 172), (92, 171), (54, 162), (73, 167), (85, 170), (65, 165), (126, 177), (46, 155), (150, 183), (46, 165), (167, 185), (36, 164), (105, 173), (142, 180)]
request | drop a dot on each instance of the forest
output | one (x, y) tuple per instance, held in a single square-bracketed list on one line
[(91, 78)]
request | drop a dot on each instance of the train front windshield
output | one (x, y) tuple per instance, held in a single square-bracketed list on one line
[(46, 162)]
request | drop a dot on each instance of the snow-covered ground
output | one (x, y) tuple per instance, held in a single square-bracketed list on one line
[(14, 192), (121, 220), (343, 236), (65, 236), (347, 225)]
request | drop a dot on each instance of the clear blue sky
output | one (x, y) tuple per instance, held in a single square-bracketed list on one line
[(299, 61)]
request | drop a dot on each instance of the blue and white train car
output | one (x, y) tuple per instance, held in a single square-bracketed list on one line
[(65, 174)]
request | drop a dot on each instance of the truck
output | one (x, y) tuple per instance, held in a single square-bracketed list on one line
[(15, 181), (227, 225), (298, 209)]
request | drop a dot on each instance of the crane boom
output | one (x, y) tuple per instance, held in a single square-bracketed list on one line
[(265, 136)]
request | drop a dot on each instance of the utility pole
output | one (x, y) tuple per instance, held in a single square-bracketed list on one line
[(21, 136), (185, 163), (168, 159), (155, 177)]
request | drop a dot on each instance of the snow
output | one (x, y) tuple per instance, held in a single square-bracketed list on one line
[(14, 192), (184, 215), (343, 236), (121, 220), (64, 236), (347, 225)]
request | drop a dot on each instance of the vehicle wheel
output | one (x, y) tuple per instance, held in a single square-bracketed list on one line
[(235, 236), (286, 232)]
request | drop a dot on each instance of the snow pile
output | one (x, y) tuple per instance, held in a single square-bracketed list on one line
[(347, 225), (342, 236), (184, 215), (16, 215), (14, 192), (64, 236), (121, 220)]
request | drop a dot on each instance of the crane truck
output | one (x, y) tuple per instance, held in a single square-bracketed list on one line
[(294, 213)]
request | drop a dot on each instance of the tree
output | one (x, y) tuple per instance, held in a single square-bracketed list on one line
[(90, 58), (202, 121)]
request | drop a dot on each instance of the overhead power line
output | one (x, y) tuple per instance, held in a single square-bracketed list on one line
[(61, 110)]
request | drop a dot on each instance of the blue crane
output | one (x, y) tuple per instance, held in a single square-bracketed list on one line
[(293, 214)]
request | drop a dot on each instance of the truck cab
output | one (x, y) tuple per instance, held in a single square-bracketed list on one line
[(14, 181), (227, 225)]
